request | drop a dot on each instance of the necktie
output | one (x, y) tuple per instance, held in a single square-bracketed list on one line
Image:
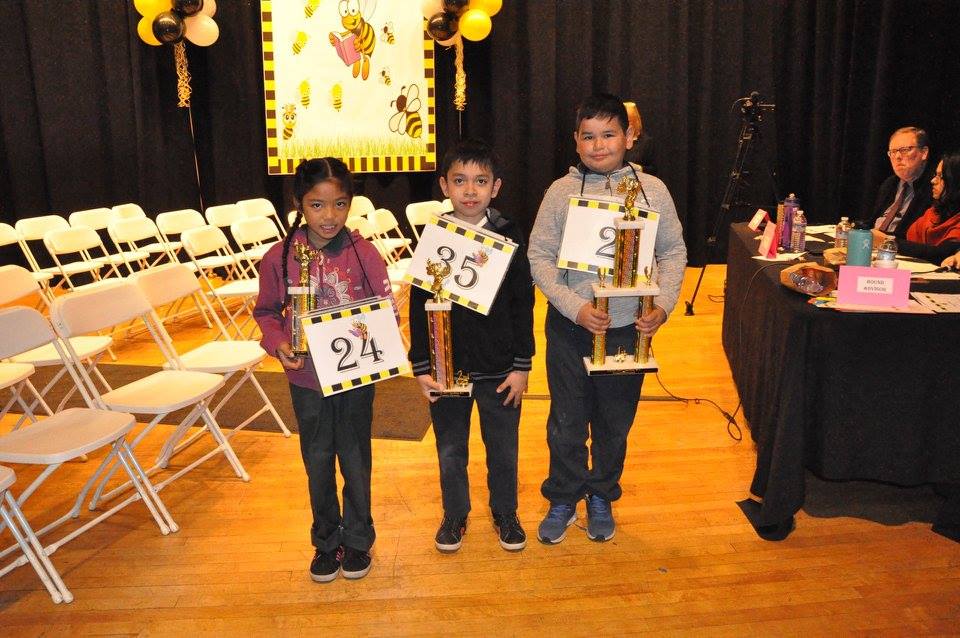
[(891, 213)]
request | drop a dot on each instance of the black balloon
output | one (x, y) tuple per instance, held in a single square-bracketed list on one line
[(168, 27), (443, 26), (187, 7), (456, 7)]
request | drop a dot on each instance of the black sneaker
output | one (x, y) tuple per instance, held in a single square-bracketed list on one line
[(325, 566), (512, 536), (450, 535), (355, 563)]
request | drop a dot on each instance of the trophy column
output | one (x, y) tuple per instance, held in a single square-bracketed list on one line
[(302, 299), (438, 310)]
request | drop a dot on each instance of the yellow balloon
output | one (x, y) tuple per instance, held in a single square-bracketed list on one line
[(490, 7), (475, 25), (150, 8), (145, 30)]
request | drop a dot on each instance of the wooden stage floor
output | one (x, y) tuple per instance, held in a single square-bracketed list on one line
[(684, 559)]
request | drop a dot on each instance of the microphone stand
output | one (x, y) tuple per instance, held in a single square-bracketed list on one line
[(751, 113)]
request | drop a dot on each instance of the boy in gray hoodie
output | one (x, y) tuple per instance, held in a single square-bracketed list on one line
[(601, 407)]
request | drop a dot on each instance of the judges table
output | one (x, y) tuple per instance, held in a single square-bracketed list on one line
[(866, 396)]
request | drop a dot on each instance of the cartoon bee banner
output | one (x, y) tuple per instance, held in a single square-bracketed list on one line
[(478, 262), (355, 345), (352, 79)]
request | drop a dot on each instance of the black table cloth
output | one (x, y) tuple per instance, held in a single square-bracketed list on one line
[(869, 396)]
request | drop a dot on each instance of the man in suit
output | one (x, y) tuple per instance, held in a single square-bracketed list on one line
[(905, 195)]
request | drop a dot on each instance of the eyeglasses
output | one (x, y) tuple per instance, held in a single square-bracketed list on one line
[(903, 150)]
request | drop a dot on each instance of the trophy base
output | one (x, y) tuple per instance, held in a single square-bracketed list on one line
[(641, 290), (457, 391), (611, 366)]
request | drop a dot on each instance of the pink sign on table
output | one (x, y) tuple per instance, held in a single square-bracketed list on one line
[(866, 286), (758, 218), (768, 242)]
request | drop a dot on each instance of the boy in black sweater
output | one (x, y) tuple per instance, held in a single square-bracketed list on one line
[(496, 350)]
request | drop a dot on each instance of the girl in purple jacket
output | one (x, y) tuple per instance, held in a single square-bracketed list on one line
[(348, 268)]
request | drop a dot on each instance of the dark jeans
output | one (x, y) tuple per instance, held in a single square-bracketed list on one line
[(601, 407), (332, 428), (499, 427)]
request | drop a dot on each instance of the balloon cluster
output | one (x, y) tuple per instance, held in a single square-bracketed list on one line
[(170, 21), (448, 20)]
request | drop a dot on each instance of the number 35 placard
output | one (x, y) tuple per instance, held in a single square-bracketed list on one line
[(355, 345), (478, 262), (589, 236)]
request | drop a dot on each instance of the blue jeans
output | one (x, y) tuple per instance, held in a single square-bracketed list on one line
[(599, 407), (332, 428), (499, 427)]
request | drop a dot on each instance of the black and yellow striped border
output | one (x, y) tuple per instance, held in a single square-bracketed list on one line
[(486, 240), (617, 206), (348, 312), (277, 165), (365, 379), (576, 265), (463, 301)]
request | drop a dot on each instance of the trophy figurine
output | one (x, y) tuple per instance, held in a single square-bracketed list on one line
[(626, 283), (302, 299), (455, 383)]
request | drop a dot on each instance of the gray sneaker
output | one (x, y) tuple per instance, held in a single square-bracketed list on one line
[(553, 528), (600, 524)]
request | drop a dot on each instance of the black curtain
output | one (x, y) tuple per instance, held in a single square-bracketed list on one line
[(88, 113)]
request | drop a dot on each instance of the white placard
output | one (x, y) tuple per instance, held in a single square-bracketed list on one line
[(478, 261), (355, 345), (589, 235)]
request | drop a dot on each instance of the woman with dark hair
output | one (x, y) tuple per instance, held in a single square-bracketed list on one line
[(936, 234)]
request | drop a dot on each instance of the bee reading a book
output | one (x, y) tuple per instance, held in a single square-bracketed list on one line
[(407, 118), (356, 44)]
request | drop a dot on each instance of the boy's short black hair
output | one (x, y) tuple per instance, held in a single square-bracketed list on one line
[(602, 106), (471, 151)]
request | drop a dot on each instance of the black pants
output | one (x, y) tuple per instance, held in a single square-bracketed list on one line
[(337, 428), (499, 427), (601, 407)]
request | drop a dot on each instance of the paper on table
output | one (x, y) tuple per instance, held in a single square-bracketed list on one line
[(822, 228), (781, 257), (912, 308), (938, 302)]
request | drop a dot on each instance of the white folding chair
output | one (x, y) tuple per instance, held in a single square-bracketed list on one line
[(172, 224), (16, 283), (127, 211), (100, 219), (8, 237), (420, 214), (33, 229), (260, 207), (85, 243), (168, 284), (208, 248), (255, 236), (388, 232), (126, 235), (157, 394), (360, 206), (66, 436), (12, 517)]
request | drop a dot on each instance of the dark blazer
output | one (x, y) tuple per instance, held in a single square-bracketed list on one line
[(922, 198)]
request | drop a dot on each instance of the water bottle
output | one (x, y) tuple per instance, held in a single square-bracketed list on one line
[(859, 244), (798, 233), (840, 235), (887, 253), (790, 207), (806, 284)]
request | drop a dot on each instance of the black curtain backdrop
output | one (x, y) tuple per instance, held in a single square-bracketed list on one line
[(88, 113)]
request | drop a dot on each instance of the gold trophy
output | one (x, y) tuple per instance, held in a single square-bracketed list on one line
[(625, 283), (455, 383), (302, 299)]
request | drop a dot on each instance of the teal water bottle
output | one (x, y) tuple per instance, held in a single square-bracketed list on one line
[(859, 244)]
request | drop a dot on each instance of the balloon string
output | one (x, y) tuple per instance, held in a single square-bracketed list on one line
[(183, 75), (196, 160), (460, 82)]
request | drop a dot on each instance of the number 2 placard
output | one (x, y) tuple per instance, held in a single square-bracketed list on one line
[(355, 345), (589, 236), (478, 262)]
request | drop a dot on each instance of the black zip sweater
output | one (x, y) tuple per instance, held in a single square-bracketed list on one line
[(491, 346)]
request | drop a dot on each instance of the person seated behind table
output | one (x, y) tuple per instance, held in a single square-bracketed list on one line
[(642, 152), (906, 194), (936, 234)]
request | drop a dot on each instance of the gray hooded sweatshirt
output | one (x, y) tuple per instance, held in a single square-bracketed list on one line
[(568, 290)]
